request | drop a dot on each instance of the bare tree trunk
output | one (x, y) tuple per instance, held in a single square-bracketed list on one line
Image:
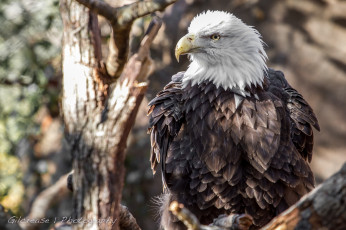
[(81, 114), (99, 109)]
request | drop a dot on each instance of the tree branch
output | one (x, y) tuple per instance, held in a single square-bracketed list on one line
[(125, 15), (100, 7), (223, 222), (44, 200), (126, 219), (128, 13), (121, 19)]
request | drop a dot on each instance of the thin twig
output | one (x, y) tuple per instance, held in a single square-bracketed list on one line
[(149, 37), (184, 215)]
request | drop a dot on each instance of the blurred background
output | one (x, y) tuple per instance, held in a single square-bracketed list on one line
[(304, 39)]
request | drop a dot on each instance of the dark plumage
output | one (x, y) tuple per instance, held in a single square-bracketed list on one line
[(219, 159)]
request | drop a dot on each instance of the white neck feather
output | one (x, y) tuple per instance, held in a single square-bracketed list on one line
[(233, 74)]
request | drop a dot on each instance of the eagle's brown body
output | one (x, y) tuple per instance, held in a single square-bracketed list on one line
[(224, 153)]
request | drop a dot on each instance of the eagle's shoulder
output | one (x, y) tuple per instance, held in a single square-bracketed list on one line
[(178, 77), (277, 78)]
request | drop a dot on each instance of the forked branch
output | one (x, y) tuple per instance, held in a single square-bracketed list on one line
[(121, 20)]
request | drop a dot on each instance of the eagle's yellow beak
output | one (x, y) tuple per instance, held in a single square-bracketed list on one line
[(184, 45)]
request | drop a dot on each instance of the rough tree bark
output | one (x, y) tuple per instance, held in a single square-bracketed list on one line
[(99, 108)]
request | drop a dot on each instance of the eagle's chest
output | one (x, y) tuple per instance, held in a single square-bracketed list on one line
[(204, 160), (210, 112)]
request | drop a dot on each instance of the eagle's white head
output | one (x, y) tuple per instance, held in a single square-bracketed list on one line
[(224, 50)]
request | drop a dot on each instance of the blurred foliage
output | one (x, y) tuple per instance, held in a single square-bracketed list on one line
[(29, 53), (10, 182), (30, 40)]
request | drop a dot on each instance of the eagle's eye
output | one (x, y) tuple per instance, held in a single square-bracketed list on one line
[(215, 37)]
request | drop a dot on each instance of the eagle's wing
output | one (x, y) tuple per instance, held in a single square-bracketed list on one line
[(165, 120), (284, 160), (275, 132), (302, 117)]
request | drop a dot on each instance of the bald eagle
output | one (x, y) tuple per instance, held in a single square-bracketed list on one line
[(230, 134)]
